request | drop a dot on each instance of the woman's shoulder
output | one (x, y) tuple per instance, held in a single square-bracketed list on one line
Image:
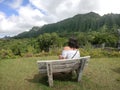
[(67, 48)]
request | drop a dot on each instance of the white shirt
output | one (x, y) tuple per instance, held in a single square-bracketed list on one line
[(68, 54)]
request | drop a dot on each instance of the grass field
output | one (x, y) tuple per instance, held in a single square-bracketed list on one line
[(22, 74)]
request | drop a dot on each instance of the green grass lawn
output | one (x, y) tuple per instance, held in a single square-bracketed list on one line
[(22, 74)]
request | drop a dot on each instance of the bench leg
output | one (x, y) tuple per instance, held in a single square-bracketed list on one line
[(50, 74), (80, 70)]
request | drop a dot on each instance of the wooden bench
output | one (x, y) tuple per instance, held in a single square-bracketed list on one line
[(66, 65)]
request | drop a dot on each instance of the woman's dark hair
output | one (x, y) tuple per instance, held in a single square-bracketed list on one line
[(73, 42)]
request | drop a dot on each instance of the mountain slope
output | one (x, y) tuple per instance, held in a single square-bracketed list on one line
[(79, 23)]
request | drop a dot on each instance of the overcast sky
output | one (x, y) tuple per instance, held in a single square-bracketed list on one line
[(17, 16)]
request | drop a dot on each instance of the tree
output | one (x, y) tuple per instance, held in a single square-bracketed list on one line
[(47, 40), (105, 37)]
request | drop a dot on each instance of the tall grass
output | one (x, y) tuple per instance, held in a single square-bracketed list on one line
[(22, 74)]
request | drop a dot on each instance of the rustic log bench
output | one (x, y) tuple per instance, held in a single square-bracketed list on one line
[(66, 65)]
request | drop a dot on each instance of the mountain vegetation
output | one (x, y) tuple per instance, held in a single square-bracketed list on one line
[(79, 23)]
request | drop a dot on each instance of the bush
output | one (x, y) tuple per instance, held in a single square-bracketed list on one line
[(111, 53), (98, 52), (6, 54), (83, 52)]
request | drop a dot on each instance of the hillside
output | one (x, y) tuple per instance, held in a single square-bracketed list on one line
[(79, 23)]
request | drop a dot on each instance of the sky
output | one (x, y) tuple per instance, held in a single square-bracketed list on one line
[(17, 16)]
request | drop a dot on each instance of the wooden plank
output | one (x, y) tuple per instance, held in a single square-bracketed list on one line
[(60, 68), (66, 62), (65, 65), (49, 73), (43, 66), (57, 70), (62, 60)]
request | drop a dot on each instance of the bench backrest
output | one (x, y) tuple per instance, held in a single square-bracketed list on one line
[(61, 65)]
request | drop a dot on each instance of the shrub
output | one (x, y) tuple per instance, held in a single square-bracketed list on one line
[(111, 53), (5, 54), (96, 53), (83, 52)]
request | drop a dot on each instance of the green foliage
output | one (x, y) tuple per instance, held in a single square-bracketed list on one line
[(51, 44), (47, 41), (111, 52), (83, 52), (6, 54), (98, 52), (110, 39)]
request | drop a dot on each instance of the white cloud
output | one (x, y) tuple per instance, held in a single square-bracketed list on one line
[(67, 9), (9, 25), (28, 17), (2, 16), (29, 14), (62, 9), (57, 10), (109, 6)]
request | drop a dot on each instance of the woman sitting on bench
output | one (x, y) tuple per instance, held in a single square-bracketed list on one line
[(71, 51)]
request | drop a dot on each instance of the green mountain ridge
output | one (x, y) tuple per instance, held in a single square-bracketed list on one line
[(78, 23)]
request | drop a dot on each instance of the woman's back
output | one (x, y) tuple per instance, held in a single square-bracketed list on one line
[(69, 53)]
